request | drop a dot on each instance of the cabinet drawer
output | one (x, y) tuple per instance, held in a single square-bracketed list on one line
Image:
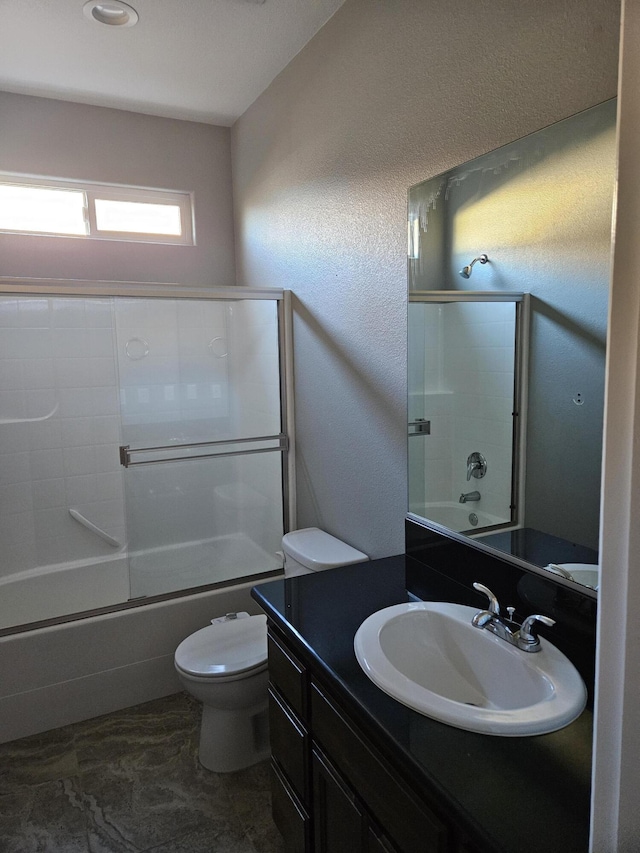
[(288, 674), (289, 744), (289, 815), (406, 820)]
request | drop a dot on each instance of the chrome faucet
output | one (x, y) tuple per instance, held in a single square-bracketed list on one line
[(466, 497), (476, 466), (523, 636)]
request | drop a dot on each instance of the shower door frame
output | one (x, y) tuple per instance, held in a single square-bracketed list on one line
[(82, 289), (522, 303)]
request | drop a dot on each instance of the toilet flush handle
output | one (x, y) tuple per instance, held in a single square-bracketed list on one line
[(242, 614)]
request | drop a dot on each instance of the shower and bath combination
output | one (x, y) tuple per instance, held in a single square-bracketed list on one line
[(203, 498)]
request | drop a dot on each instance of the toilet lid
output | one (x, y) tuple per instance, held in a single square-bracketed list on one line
[(225, 648), (317, 550)]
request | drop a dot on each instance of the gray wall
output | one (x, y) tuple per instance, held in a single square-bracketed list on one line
[(386, 95), (62, 140)]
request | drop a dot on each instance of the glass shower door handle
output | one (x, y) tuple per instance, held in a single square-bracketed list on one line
[(420, 426), (266, 444)]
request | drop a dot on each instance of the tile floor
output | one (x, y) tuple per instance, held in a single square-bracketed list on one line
[(130, 782)]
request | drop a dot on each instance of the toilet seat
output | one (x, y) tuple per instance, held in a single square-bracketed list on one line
[(220, 679), (224, 650)]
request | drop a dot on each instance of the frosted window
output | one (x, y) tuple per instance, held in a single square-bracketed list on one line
[(138, 218), (35, 205), (42, 210)]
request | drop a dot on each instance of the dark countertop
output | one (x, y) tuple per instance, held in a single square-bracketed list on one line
[(540, 548), (509, 794)]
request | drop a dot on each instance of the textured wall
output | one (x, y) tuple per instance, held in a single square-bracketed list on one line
[(386, 95), (62, 140)]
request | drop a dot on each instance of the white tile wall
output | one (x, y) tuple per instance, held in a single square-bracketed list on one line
[(461, 379), (430, 457), (58, 375), (218, 378), (480, 339), (79, 377), (255, 488), (178, 390)]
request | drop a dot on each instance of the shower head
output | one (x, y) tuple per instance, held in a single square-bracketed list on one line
[(465, 272)]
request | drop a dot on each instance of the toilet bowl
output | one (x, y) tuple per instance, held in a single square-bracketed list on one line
[(225, 664)]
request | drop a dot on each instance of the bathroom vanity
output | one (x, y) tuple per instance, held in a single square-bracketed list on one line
[(354, 770)]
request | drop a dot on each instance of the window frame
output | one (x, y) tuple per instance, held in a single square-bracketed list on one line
[(111, 192)]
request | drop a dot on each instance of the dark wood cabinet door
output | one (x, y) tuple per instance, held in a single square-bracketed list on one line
[(289, 815), (405, 818), (339, 824), (377, 842)]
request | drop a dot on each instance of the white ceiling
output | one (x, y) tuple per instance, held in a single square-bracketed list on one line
[(202, 60)]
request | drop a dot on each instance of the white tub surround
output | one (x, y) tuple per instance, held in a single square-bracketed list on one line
[(78, 670)]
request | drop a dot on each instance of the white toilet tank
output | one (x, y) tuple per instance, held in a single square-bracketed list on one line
[(314, 550)]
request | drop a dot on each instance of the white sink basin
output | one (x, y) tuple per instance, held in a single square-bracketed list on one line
[(583, 573), (430, 657)]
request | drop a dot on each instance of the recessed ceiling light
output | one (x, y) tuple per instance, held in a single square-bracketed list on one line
[(113, 13)]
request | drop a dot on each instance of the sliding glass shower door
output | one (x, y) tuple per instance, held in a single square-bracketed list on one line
[(465, 358), (203, 442)]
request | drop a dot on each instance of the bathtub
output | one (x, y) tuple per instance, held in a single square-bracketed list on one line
[(60, 589), (203, 561), (457, 516), (76, 670)]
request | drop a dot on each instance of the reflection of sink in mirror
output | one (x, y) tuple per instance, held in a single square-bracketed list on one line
[(429, 657), (457, 516), (583, 573)]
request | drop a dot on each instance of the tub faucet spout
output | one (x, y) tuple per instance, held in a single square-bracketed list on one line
[(466, 497)]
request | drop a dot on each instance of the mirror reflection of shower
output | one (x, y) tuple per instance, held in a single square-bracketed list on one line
[(535, 204), (464, 350), (465, 272)]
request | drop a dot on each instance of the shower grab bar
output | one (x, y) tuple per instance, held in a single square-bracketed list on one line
[(126, 452), (30, 420), (77, 516)]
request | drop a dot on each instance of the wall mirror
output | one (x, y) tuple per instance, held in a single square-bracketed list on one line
[(508, 277)]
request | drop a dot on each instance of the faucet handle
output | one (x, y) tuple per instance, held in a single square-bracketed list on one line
[(528, 633), (493, 607)]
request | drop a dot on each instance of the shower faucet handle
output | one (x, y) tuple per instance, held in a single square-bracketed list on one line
[(476, 465)]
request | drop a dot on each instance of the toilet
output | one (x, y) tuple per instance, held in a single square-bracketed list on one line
[(225, 664), (314, 550)]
